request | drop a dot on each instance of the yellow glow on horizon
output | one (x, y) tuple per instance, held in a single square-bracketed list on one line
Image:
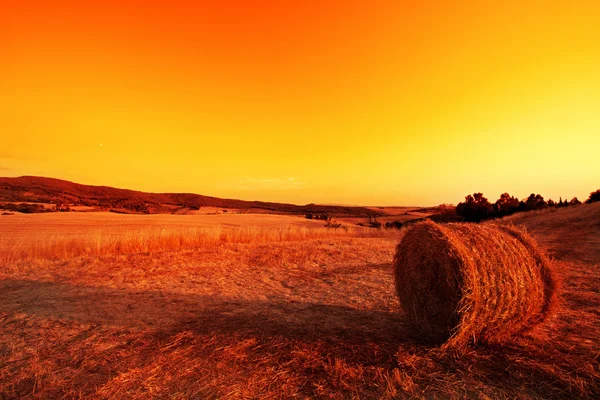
[(336, 102)]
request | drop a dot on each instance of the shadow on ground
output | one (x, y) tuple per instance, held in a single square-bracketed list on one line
[(367, 343), (169, 313)]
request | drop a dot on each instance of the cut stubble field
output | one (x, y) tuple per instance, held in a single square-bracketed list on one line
[(261, 307)]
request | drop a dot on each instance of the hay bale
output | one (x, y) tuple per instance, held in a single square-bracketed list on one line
[(464, 283)]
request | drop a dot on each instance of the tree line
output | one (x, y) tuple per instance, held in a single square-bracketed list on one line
[(477, 208)]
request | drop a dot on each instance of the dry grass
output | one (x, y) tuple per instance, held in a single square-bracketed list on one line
[(160, 240), (308, 318), (571, 234), (472, 283)]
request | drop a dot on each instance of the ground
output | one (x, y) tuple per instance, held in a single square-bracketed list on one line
[(310, 313)]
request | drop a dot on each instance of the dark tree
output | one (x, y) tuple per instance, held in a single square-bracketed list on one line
[(475, 208), (594, 197), (535, 202), (506, 205), (575, 201)]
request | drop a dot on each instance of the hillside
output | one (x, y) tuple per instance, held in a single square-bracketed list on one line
[(571, 234), (49, 190)]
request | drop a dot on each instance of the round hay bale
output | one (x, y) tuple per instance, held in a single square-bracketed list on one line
[(464, 283)]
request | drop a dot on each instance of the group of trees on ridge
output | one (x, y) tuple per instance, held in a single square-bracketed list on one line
[(477, 208)]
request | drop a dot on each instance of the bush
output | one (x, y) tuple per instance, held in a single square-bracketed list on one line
[(373, 223), (333, 224), (394, 225), (506, 205), (475, 208), (24, 208), (594, 197), (533, 202)]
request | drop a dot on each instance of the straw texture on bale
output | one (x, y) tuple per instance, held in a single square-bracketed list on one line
[(465, 283)]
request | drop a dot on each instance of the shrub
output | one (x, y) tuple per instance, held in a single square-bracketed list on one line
[(594, 197), (506, 205), (373, 223), (533, 202), (394, 225), (24, 208), (475, 208), (333, 224)]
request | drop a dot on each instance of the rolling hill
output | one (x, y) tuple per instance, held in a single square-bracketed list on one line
[(49, 190)]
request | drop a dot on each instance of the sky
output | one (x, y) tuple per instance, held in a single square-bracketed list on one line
[(344, 102)]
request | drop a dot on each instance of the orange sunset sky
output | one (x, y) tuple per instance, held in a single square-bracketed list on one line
[(354, 102)]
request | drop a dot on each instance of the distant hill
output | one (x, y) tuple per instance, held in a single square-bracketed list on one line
[(56, 191)]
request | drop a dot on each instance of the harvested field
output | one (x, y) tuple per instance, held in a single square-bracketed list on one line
[(313, 317), (57, 236), (30, 227), (571, 234), (300, 200)]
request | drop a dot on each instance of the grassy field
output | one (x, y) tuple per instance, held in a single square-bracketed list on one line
[(33, 226), (238, 312), (390, 214), (64, 235)]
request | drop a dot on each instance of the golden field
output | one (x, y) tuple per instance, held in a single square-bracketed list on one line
[(99, 305), (59, 235)]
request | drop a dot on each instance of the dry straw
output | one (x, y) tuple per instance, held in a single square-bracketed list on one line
[(464, 283), (97, 243)]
